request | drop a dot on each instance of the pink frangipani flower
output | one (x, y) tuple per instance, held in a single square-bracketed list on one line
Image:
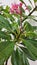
[(15, 8)]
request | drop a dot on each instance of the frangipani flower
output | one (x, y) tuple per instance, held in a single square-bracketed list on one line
[(15, 8)]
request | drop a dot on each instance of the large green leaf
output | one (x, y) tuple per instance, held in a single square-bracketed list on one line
[(6, 48), (19, 58), (30, 55), (31, 48)]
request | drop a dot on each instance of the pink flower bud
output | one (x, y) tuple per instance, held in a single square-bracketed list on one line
[(20, 4)]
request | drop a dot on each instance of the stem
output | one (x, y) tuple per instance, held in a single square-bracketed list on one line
[(20, 19), (30, 13)]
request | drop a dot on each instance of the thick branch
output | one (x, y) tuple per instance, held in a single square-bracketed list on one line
[(30, 13)]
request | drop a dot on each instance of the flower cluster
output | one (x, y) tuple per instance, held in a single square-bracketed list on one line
[(15, 8)]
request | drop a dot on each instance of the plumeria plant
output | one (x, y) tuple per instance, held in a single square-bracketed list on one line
[(18, 37)]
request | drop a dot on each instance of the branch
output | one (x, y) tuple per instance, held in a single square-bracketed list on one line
[(30, 13)]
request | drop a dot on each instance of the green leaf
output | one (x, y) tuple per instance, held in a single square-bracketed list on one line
[(13, 59), (19, 58), (7, 15), (4, 35), (26, 62), (34, 42), (28, 54), (5, 23), (15, 27), (18, 22), (31, 35), (6, 48), (34, 27), (28, 27), (7, 8), (31, 48)]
